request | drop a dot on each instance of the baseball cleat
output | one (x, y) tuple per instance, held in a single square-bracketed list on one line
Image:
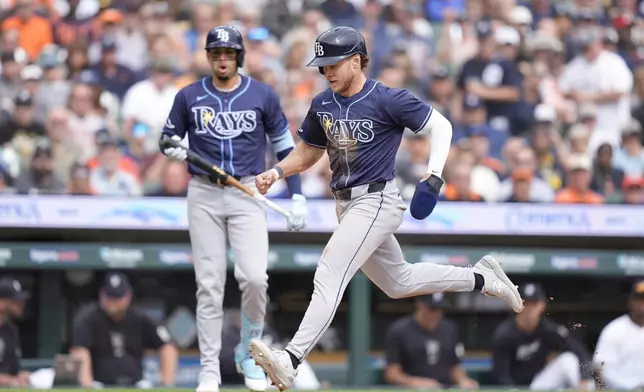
[(208, 387), (497, 283), (254, 377), (276, 363)]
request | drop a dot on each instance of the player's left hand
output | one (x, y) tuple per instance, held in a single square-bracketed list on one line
[(299, 213), (425, 197)]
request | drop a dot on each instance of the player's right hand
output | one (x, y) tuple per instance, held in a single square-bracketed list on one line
[(178, 154), (265, 180)]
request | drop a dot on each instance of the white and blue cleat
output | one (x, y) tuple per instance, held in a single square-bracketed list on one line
[(254, 376)]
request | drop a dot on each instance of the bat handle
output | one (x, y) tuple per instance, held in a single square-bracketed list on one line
[(167, 142), (272, 205)]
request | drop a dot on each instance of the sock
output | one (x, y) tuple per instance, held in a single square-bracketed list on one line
[(294, 360), (249, 330), (478, 281)]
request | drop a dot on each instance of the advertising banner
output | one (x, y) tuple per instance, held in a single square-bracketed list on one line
[(448, 218)]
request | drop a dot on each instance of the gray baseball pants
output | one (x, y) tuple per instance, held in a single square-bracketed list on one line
[(364, 241), (219, 216)]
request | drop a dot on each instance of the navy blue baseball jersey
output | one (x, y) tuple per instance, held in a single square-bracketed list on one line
[(230, 129), (362, 133)]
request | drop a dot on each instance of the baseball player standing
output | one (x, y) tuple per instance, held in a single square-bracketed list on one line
[(360, 123), (227, 117)]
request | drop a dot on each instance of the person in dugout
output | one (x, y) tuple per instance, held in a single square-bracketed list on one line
[(523, 344), (423, 349), (110, 339), (12, 302)]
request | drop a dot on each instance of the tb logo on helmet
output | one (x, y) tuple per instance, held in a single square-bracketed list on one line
[(319, 49), (222, 35)]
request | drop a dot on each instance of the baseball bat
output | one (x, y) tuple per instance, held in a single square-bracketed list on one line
[(202, 163)]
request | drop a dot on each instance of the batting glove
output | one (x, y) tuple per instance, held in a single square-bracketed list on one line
[(299, 213), (178, 154)]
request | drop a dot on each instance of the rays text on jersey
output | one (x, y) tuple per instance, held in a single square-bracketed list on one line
[(223, 125), (346, 133)]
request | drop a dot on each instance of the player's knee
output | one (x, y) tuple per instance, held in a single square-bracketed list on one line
[(255, 283), (396, 292)]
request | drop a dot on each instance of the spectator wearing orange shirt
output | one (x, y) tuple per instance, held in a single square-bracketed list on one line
[(458, 187), (633, 190), (125, 163), (578, 179), (35, 31), (521, 186)]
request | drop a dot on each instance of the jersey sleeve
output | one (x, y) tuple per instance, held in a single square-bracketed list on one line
[(154, 335), (82, 331), (177, 121), (406, 110), (393, 346), (311, 131), (511, 75)]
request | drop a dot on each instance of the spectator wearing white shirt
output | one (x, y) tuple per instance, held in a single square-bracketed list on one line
[(620, 346), (630, 158), (108, 178), (84, 118), (146, 106), (603, 78)]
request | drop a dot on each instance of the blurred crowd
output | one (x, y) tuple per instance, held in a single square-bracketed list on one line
[(546, 97)]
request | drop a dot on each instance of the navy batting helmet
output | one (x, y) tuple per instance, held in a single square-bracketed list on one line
[(227, 37), (337, 44)]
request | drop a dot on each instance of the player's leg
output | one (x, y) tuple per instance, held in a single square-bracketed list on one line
[(208, 239), (399, 279), (248, 238), (366, 222), (388, 270), (562, 372)]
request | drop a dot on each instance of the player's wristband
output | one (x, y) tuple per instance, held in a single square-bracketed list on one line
[(279, 171)]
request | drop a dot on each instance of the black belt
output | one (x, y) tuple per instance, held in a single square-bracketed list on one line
[(345, 194)]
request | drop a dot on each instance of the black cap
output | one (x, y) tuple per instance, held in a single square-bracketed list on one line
[(441, 73), (43, 147), (483, 28), (532, 292), (12, 289), (471, 102), (105, 139), (638, 290), (23, 98), (116, 285), (108, 42), (432, 301)]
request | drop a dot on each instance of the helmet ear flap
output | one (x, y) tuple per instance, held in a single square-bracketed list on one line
[(321, 69), (240, 58)]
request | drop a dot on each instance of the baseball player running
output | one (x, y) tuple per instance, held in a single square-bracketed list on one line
[(227, 117), (360, 123)]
